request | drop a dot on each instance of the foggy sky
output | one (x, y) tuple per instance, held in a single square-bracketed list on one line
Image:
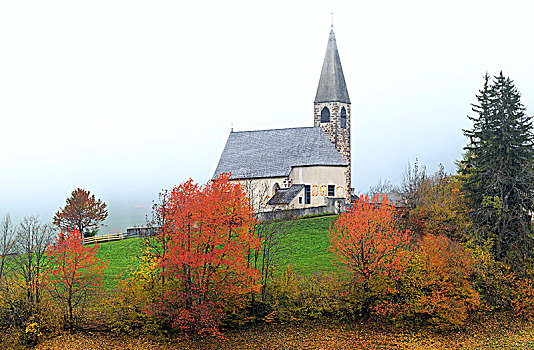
[(125, 98)]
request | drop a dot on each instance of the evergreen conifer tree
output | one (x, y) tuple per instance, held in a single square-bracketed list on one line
[(497, 169)]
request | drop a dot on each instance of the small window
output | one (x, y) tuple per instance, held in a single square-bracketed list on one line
[(300, 200), (331, 190), (343, 118), (325, 115), (307, 194)]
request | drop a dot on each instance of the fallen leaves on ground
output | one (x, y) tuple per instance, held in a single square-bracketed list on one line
[(492, 334)]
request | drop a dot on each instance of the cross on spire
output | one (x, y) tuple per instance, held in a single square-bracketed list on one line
[(332, 22)]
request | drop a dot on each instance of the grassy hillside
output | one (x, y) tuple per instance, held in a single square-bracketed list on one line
[(307, 240), (121, 255)]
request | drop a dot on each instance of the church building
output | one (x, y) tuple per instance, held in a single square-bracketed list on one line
[(303, 167)]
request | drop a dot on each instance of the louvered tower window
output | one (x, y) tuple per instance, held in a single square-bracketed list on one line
[(325, 115), (343, 118)]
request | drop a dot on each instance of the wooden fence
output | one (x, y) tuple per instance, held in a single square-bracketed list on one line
[(130, 233), (103, 238)]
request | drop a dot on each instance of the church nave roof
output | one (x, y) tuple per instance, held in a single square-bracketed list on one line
[(272, 153)]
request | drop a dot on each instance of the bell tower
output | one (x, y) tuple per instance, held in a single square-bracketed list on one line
[(332, 105)]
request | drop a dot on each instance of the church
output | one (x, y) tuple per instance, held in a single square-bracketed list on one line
[(298, 168)]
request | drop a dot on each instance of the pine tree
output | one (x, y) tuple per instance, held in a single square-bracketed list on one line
[(497, 169)]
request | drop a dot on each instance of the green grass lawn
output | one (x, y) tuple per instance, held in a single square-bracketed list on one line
[(307, 240), (121, 256)]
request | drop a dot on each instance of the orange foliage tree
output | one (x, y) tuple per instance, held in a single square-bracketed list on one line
[(83, 212), (437, 287), (523, 297), (210, 232), (371, 247), (73, 273)]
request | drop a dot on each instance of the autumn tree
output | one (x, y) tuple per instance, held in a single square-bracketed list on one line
[(274, 248), (437, 287), (7, 235), (441, 207), (211, 232), (22, 255), (156, 241), (83, 213), (382, 187), (31, 240), (412, 181), (74, 273), (498, 169), (370, 245), (272, 234)]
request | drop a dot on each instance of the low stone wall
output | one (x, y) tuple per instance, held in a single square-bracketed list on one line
[(333, 206), (288, 214), (142, 231)]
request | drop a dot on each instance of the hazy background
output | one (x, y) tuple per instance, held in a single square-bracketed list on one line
[(125, 98)]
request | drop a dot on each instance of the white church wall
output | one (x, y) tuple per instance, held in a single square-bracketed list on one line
[(319, 177), (261, 190)]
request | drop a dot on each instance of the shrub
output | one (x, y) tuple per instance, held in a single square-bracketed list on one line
[(296, 297), (523, 298), (141, 287), (23, 324), (436, 288), (494, 281)]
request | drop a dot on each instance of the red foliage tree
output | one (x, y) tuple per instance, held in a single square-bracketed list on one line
[(74, 272), (370, 246), (83, 212), (211, 232)]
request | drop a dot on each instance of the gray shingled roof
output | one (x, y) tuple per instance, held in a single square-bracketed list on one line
[(272, 153), (332, 87), (285, 195)]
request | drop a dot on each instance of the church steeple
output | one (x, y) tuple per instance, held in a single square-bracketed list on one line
[(332, 109), (332, 87)]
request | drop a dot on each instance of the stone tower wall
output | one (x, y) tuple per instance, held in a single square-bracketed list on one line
[(338, 136)]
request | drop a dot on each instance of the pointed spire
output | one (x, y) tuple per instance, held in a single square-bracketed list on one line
[(332, 87)]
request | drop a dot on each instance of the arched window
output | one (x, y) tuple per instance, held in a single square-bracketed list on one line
[(343, 118), (325, 115), (276, 187)]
